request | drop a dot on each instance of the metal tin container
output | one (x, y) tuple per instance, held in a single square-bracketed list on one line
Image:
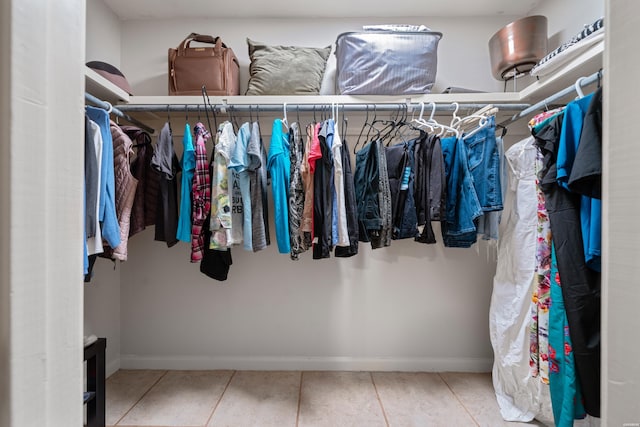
[(517, 47)]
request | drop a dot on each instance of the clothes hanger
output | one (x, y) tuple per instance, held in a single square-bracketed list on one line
[(578, 87), (366, 120), (430, 124), (207, 102), (284, 115), (343, 129), (455, 119)]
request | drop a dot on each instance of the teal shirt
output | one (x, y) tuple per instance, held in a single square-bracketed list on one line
[(188, 164), (279, 165)]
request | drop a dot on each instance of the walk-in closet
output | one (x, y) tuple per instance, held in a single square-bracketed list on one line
[(425, 329)]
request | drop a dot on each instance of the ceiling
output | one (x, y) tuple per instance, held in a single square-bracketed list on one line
[(164, 9)]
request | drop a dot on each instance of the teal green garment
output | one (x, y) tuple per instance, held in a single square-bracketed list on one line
[(279, 165), (188, 164), (566, 398)]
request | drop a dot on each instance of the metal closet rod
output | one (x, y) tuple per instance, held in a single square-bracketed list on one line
[(581, 82), (318, 108), (116, 111)]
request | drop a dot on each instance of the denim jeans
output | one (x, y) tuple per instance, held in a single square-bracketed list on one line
[(489, 223), (462, 204), (484, 165)]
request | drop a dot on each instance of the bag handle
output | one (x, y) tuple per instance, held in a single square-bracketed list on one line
[(202, 38)]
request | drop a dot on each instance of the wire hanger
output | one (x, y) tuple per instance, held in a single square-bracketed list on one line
[(205, 99), (186, 113)]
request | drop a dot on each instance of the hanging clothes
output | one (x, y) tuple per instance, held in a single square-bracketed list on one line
[(106, 200), (296, 192), (91, 178), (399, 171), (489, 223), (384, 195), (143, 212), (188, 164), (94, 243), (166, 163), (580, 284), (307, 167), (586, 174), (367, 182), (323, 195), (351, 206), (257, 189), (264, 182), (215, 263), (341, 236), (541, 297), (590, 209), (430, 184), (240, 164), (462, 203), (221, 220), (518, 394), (279, 166), (566, 397), (201, 193), (125, 189)]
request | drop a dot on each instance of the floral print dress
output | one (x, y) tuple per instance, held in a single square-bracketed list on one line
[(541, 298)]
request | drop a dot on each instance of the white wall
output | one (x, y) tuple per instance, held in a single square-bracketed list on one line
[(102, 296), (566, 18), (620, 292), (103, 34), (102, 309), (463, 58), (41, 216)]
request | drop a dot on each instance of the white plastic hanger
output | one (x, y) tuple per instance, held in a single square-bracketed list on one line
[(578, 87), (455, 119), (284, 115), (420, 121)]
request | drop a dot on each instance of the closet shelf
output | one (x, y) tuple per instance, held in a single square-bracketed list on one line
[(585, 64), (461, 98), (102, 88), (588, 62)]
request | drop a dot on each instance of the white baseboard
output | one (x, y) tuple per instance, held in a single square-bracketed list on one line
[(130, 361), (112, 367)]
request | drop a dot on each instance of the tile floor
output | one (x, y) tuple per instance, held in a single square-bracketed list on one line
[(300, 399)]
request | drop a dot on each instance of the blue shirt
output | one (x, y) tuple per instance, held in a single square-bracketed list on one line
[(188, 164), (590, 209), (279, 165), (240, 163), (106, 199)]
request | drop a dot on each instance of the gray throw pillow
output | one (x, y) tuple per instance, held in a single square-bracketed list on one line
[(285, 70)]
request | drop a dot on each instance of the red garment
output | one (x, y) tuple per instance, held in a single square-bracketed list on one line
[(315, 153)]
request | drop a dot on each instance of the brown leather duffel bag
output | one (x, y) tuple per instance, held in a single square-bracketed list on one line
[(215, 67)]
